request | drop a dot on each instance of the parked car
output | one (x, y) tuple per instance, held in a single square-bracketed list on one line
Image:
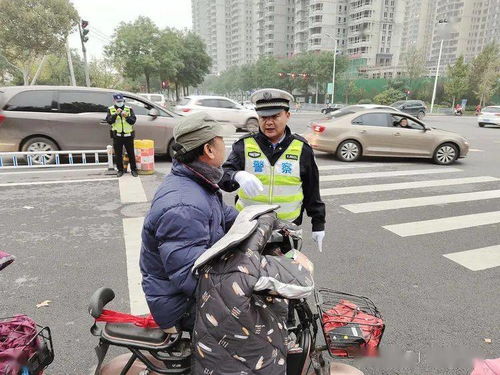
[(331, 108), (51, 118), (221, 109), (248, 105), (489, 116), (415, 108), (155, 98), (376, 132)]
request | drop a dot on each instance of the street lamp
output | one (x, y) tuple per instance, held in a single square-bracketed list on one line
[(334, 62), (441, 21)]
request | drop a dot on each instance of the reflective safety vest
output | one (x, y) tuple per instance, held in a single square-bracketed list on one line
[(282, 182), (121, 125)]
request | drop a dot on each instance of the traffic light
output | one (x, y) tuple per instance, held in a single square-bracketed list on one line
[(165, 84), (304, 75), (294, 75), (282, 75), (84, 31)]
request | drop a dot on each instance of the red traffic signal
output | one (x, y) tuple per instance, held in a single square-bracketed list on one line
[(165, 84), (84, 24), (84, 31)]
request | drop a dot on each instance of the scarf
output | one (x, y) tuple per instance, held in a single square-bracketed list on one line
[(212, 174)]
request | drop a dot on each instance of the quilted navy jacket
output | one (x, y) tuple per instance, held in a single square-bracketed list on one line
[(187, 216)]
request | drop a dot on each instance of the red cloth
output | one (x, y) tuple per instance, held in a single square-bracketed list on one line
[(347, 312), (110, 316), (486, 367), (15, 335)]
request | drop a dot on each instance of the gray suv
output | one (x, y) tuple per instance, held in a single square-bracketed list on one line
[(51, 118), (415, 108)]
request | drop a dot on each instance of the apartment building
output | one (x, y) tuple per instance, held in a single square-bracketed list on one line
[(275, 27), (228, 29), (470, 25), (418, 23)]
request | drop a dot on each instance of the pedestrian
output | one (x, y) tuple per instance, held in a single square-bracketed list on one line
[(478, 109), (187, 216), (275, 166), (122, 120)]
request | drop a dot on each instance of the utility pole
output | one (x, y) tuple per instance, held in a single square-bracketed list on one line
[(82, 27), (442, 21), (334, 63), (70, 63)]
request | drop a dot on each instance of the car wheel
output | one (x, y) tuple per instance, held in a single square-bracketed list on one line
[(170, 149), (252, 125), (445, 154), (349, 151), (38, 144), (481, 125), (421, 115)]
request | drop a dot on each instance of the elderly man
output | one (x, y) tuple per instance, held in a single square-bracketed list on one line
[(275, 166), (187, 216)]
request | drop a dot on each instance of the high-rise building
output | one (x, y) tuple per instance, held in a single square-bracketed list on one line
[(275, 27), (466, 27), (228, 29), (418, 23)]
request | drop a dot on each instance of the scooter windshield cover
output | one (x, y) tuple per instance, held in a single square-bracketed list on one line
[(244, 225)]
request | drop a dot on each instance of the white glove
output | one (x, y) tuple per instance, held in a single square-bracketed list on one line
[(250, 184), (318, 238)]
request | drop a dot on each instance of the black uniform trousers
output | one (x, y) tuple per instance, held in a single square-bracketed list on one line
[(128, 142)]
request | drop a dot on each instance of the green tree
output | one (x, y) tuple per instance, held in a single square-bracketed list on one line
[(30, 30), (195, 62), (457, 77), (168, 54), (102, 74), (388, 97), (483, 73), (133, 49), (414, 61)]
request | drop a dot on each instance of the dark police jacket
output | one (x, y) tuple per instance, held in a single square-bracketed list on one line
[(314, 206)]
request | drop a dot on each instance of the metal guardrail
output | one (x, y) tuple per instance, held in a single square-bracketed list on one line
[(38, 159)]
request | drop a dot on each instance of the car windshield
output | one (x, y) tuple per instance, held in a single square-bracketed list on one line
[(491, 110)]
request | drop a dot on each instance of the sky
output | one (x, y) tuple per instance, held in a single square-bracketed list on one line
[(105, 15)]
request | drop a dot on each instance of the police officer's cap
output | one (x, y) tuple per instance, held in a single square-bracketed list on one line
[(195, 130), (269, 102), (117, 96)]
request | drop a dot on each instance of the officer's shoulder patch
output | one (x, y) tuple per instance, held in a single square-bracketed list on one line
[(300, 138), (254, 154)]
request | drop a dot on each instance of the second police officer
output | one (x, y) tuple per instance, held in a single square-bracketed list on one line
[(276, 166)]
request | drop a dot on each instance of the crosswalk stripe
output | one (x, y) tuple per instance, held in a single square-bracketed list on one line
[(355, 176), (445, 224), (405, 185), (359, 165), (421, 201), (477, 259)]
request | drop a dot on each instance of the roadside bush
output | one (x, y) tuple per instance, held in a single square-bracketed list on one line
[(365, 101), (388, 96)]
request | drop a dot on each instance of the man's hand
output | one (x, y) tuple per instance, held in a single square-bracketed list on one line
[(124, 114), (119, 110), (250, 184), (318, 238)]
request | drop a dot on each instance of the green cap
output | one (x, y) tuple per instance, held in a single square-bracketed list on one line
[(195, 130)]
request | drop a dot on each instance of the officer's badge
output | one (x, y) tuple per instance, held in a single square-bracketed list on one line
[(267, 95), (254, 154), (292, 157)]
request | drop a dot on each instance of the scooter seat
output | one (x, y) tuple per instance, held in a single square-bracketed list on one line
[(127, 334)]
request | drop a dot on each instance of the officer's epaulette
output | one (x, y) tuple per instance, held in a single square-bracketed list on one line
[(300, 138)]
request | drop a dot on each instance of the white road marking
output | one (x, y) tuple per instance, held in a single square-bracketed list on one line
[(404, 185), (96, 169), (477, 259), (57, 182), (421, 201), (132, 228), (445, 224), (355, 176), (131, 190), (358, 165), (475, 150)]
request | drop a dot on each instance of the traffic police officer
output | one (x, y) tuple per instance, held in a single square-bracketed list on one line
[(276, 166), (122, 120)]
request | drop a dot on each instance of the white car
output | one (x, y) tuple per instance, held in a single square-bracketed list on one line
[(489, 116), (155, 98), (221, 109)]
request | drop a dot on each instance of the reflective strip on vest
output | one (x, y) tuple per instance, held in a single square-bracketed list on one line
[(121, 125), (282, 183)]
